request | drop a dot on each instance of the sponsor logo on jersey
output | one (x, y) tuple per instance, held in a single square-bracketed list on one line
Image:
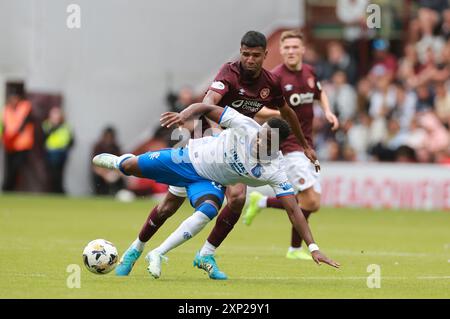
[(302, 98), (187, 235), (264, 93), (218, 85), (235, 163), (248, 105), (288, 87)]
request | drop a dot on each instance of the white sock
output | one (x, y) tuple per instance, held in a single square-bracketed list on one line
[(138, 245), (207, 249), (263, 202), (188, 229), (291, 249)]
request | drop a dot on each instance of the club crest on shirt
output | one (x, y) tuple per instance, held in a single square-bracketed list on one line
[(264, 93), (257, 170), (310, 82), (288, 87)]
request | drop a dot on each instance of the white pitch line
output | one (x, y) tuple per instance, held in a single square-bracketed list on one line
[(377, 253), (433, 277), (344, 278)]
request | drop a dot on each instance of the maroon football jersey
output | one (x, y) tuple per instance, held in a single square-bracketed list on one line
[(300, 89), (247, 96)]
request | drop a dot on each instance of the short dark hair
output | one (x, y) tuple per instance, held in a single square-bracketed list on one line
[(283, 127), (253, 39)]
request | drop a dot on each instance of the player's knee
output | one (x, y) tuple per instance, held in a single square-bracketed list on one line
[(315, 205), (236, 202), (208, 205), (311, 204), (208, 208), (167, 209)]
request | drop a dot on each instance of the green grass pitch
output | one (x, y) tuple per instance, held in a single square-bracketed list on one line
[(41, 235)]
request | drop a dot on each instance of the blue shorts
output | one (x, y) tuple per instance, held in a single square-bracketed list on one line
[(173, 167)]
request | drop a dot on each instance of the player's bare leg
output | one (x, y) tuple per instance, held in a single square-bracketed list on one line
[(205, 210), (159, 214), (128, 165), (226, 220)]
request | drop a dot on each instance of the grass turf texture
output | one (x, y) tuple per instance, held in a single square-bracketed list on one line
[(41, 235)]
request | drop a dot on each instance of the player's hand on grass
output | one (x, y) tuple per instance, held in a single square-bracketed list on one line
[(169, 119), (332, 119), (321, 258), (311, 155)]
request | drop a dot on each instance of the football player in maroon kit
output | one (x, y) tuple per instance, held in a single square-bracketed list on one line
[(300, 89), (247, 87)]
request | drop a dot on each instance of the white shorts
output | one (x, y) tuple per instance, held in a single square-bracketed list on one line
[(178, 191), (301, 172)]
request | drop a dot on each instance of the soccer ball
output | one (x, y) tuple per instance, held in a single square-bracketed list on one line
[(100, 256)]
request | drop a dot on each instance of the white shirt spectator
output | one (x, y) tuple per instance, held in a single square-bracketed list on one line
[(350, 12), (379, 100)]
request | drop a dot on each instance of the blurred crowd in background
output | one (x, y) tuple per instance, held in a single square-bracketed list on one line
[(393, 103)]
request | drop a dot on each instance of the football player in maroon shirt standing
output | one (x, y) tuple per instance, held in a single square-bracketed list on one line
[(247, 87), (300, 89)]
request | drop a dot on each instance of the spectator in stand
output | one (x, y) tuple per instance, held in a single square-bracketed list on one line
[(425, 99), (106, 182), (58, 140), (429, 15), (18, 135), (438, 138), (385, 63), (409, 64), (179, 101), (383, 98), (387, 148), (405, 154), (312, 58), (358, 136), (405, 106), (339, 60), (352, 13), (442, 104), (364, 90), (342, 97), (445, 28)]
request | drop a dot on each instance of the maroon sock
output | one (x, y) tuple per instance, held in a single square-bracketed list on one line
[(152, 224), (274, 202), (224, 224), (296, 239)]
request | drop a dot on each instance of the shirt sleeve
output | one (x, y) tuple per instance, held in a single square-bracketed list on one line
[(280, 184), (232, 118), (317, 85), (221, 83)]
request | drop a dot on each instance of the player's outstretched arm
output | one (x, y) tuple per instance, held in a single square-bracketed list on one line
[(213, 112), (299, 222)]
